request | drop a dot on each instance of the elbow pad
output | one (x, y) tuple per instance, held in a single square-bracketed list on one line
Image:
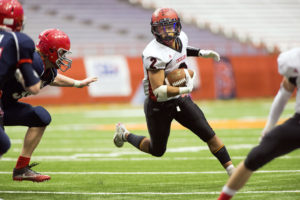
[(161, 93)]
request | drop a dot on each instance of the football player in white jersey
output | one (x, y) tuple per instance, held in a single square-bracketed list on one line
[(277, 140), (167, 52)]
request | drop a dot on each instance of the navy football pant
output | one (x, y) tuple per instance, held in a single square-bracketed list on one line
[(279, 141), (4, 142), (4, 139), (159, 116), (23, 114)]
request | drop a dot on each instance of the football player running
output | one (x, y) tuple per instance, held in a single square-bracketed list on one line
[(276, 140), (16, 52), (167, 52), (50, 55)]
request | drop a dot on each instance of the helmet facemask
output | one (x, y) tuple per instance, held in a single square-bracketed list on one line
[(166, 31), (62, 62)]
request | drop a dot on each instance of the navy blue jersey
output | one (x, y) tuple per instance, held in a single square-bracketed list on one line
[(13, 89), (16, 51)]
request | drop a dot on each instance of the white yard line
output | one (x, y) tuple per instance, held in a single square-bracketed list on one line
[(155, 173), (137, 159), (144, 193)]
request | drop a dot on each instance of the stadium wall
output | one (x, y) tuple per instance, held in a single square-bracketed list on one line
[(120, 80)]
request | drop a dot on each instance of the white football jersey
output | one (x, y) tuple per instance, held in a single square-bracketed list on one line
[(158, 56), (289, 66)]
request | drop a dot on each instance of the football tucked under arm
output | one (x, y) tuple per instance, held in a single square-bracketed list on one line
[(177, 77), (182, 78)]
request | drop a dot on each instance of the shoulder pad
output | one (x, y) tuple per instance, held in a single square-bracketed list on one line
[(25, 42), (183, 37), (37, 63), (157, 55), (289, 63)]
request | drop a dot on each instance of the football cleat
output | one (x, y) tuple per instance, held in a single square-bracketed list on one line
[(120, 135), (230, 169), (27, 174)]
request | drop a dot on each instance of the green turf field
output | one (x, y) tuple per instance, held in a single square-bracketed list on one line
[(78, 153)]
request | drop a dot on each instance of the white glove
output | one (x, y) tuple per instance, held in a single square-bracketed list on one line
[(189, 83), (209, 54)]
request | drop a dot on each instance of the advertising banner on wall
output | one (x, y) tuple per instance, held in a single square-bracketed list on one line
[(113, 76)]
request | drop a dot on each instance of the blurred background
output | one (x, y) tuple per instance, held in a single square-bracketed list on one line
[(108, 37)]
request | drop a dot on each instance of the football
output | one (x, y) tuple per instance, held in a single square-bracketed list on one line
[(177, 77)]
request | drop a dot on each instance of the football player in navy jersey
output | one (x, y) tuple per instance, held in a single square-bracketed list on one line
[(276, 140), (51, 54), (16, 52), (167, 52)]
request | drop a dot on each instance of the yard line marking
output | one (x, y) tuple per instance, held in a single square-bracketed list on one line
[(215, 123), (130, 150), (70, 158), (143, 193), (157, 173), (115, 153)]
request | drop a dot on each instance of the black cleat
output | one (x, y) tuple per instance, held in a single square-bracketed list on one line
[(27, 174)]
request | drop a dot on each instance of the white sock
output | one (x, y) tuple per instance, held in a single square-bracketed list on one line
[(228, 191), (230, 169)]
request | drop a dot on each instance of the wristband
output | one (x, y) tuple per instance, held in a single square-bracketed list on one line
[(184, 90), (77, 83)]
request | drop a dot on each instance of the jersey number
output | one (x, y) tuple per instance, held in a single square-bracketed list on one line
[(153, 60)]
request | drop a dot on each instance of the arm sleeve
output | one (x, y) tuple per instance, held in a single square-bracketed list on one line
[(29, 75), (26, 52), (277, 108), (192, 51)]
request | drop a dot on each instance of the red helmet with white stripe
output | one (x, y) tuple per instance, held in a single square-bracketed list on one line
[(11, 14), (55, 45)]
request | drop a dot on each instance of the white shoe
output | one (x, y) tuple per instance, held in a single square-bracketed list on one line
[(119, 137), (230, 169)]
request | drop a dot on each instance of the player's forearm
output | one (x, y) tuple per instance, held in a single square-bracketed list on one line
[(63, 81), (172, 91)]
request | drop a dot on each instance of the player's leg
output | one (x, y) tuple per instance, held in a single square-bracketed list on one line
[(236, 181), (158, 123), (31, 140), (273, 145), (36, 118), (123, 135), (190, 116)]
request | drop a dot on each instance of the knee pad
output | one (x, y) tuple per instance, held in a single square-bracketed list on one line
[(157, 152), (43, 118)]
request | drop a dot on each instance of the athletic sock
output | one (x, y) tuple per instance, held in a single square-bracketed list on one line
[(222, 155), (22, 162), (227, 193), (224, 196), (135, 140)]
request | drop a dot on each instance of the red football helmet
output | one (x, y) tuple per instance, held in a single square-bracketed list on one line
[(11, 14), (55, 45), (165, 24)]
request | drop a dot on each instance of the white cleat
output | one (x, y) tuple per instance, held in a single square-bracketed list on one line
[(119, 137), (230, 169)]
